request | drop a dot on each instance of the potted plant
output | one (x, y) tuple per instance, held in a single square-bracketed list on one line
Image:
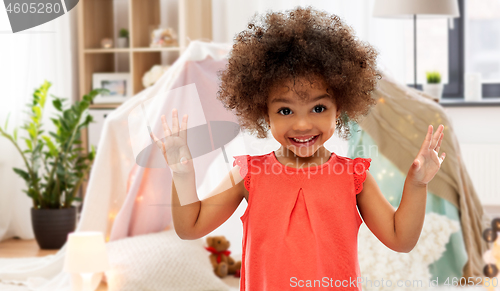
[(434, 87), (54, 165), (123, 38)]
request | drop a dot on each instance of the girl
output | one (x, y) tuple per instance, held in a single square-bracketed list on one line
[(302, 75)]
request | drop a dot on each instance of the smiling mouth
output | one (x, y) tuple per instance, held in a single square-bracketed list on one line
[(304, 142)]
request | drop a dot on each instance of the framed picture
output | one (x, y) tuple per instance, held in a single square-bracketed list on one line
[(118, 84), (95, 127)]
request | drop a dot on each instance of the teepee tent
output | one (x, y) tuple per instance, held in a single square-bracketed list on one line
[(116, 181)]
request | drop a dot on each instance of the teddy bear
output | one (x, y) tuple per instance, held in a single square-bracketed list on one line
[(222, 263)]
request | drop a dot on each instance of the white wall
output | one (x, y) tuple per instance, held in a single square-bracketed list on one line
[(478, 126)]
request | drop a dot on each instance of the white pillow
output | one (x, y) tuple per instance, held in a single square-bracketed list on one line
[(160, 261), (377, 262)]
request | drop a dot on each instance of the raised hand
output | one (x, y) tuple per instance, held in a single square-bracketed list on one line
[(427, 163), (174, 146)]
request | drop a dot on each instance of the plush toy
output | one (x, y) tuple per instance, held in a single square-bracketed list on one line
[(221, 261)]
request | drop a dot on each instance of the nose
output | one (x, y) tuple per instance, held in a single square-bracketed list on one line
[(302, 124)]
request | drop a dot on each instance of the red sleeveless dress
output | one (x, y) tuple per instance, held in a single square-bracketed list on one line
[(300, 227)]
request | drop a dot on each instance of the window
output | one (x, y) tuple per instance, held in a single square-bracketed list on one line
[(482, 39), (432, 48), (477, 32)]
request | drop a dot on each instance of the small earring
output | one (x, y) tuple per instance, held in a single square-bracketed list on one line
[(337, 122), (269, 125)]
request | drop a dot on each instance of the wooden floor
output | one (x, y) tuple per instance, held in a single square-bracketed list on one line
[(17, 248)]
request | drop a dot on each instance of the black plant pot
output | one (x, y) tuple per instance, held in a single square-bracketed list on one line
[(52, 226)]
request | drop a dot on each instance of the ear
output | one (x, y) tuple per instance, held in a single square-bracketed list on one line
[(210, 240), (266, 116)]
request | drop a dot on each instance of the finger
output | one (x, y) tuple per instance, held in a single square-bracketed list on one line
[(439, 142), (183, 132), (436, 136), (152, 135), (443, 155), (166, 129), (427, 141), (175, 122)]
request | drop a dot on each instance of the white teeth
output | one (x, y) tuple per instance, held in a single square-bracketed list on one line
[(300, 140)]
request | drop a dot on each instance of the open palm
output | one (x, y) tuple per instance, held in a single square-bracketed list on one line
[(174, 146), (428, 162)]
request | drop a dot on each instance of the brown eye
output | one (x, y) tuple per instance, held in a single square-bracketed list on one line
[(283, 109), (320, 106)]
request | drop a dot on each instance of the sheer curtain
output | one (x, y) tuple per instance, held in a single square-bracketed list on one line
[(46, 52), (386, 35)]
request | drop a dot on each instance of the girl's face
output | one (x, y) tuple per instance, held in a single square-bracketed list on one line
[(290, 117)]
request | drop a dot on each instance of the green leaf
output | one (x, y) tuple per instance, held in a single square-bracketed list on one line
[(57, 137), (84, 105), (92, 153), (74, 108), (56, 122), (29, 144), (86, 98), (7, 121), (57, 104), (32, 131), (88, 119), (23, 174), (67, 114), (38, 113), (15, 134), (65, 125), (79, 199), (50, 144)]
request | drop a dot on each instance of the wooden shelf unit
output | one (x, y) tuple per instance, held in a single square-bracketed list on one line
[(96, 21)]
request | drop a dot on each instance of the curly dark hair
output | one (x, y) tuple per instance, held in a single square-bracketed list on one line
[(298, 43)]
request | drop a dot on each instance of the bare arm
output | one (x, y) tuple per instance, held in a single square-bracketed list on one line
[(409, 218), (192, 218), (184, 216), (400, 230), (195, 220), (377, 213)]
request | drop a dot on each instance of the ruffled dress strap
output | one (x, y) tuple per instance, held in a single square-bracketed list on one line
[(361, 165), (243, 161)]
